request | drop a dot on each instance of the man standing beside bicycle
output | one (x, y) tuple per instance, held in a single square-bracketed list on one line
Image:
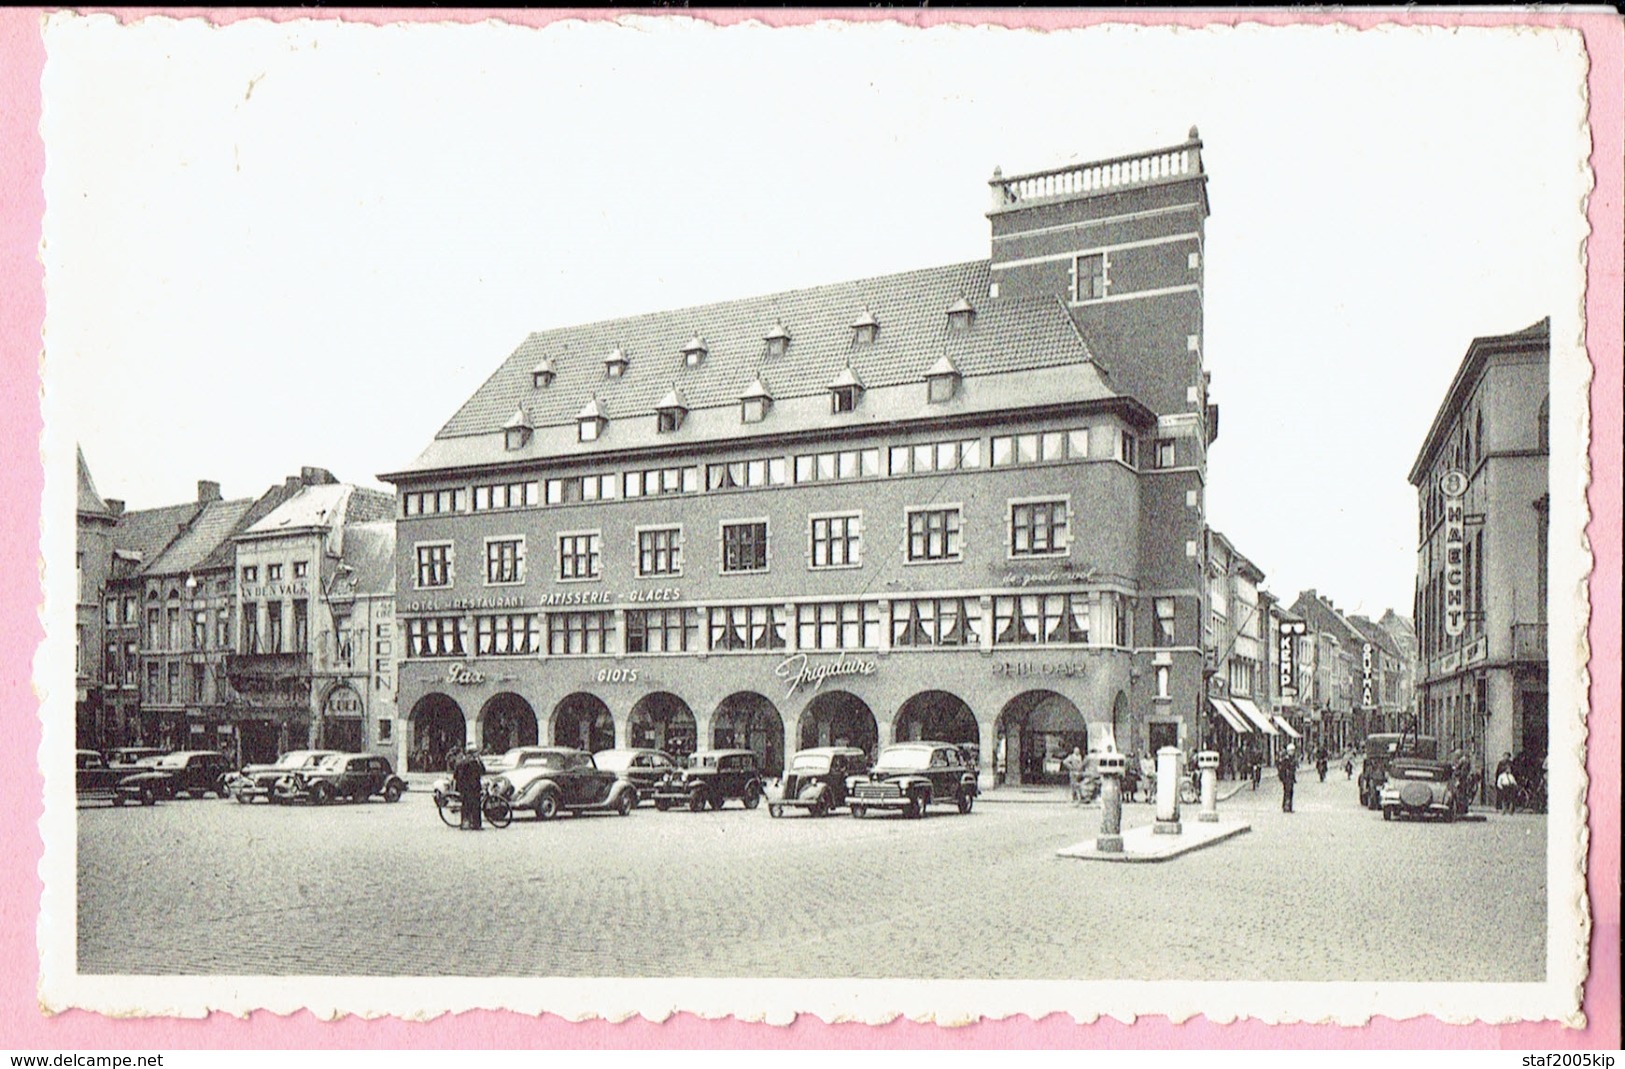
[(466, 776)]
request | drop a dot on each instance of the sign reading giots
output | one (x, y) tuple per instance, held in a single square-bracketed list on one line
[(797, 670), (1453, 485)]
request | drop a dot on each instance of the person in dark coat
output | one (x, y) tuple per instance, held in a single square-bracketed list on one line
[(1287, 769), (465, 775)]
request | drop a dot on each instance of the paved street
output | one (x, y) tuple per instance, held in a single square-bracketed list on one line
[(1328, 893)]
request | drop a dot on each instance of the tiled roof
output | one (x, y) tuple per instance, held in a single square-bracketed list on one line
[(143, 533), (210, 528), (89, 500), (1375, 634), (310, 506), (910, 308), (369, 506), (369, 550), (225, 554)]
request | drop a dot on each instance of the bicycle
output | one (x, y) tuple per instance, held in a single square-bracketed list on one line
[(493, 807)]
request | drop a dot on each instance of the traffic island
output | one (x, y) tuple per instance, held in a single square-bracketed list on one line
[(1145, 844)]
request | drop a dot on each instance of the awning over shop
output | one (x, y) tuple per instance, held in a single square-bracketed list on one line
[(1282, 723), (1250, 711), (1227, 712)]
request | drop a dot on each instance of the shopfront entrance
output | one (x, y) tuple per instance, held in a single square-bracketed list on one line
[(749, 721), (1034, 733), (506, 721), (438, 728), (583, 721), (937, 716), (663, 721), (838, 718)]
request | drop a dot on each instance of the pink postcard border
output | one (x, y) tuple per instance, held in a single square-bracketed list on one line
[(22, 309)]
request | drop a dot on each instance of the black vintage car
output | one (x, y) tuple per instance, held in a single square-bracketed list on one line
[(643, 768), (95, 780), (711, 778), (913, 775), (195, 773), (816, 780), (347, 776), (260, 781)]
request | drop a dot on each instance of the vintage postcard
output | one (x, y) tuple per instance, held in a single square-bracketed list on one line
[(867, 519)]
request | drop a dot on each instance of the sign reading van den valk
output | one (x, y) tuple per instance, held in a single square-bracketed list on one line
[(298, 588), (1453, 485)]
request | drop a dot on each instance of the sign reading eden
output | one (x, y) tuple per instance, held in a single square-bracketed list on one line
[(796, 669), (464, 674), (1453, 485)]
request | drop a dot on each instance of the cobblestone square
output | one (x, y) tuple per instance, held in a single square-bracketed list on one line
[(1331, 892)]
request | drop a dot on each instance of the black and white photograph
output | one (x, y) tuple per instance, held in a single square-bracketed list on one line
[(650, 514)]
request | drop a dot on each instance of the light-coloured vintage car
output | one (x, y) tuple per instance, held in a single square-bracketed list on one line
[(562, 780), (1418, 787), (258, 781)]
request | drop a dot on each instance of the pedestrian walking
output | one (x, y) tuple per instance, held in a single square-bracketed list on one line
[(466, 774), (1322, 762), (1463, 771), (1348, 768), (1257, 762), (1506, 784), (1287, 769), (1074, 774)]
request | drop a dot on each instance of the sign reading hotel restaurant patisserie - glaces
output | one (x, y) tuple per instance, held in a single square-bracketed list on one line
[(1453, 485)]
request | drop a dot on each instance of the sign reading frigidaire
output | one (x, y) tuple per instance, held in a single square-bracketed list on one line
[(1453, 485), (1288, 658), (797, 670)]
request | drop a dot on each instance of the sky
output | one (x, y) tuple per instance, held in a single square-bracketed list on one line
[(269, 246)]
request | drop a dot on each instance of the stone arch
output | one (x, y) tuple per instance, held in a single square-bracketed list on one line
[(749, 721), (838, 718), (507, 720), (1034, 731), (936, 716), (438, 726), (583, 721), (663, 721)]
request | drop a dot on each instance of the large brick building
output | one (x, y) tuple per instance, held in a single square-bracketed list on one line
[(962, 502)]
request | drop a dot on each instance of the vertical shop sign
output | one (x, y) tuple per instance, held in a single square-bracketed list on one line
[(1453, 485)]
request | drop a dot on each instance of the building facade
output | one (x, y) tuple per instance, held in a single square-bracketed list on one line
[(1241, 723), (92, 651), (300, 675), (962, 503), (1482, 540)]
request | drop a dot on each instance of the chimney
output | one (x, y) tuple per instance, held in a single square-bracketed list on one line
[(114, 505), (310, 476), (207, 491)]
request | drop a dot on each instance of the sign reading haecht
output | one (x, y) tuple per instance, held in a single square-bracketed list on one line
[(1453, 485)]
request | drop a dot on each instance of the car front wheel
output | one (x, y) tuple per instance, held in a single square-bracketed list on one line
[(858, 811), (916, 809), (321, 794), (1388, 812), (547, 806), (775, 811), (392, 793), (628, 800), (696, 802), (753, 796), (966, 800), (148, 796)]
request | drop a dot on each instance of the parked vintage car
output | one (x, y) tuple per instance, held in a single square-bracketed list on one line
[(124, 756), (195, 773), (353, 777), (711, 778), (913, 775), (96, 780), (259, 781), (562, 780), (1380, 749), (1418, 787), (816, 780), (644, 768)]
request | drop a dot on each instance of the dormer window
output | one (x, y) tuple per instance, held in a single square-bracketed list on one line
[(591, 421), (670, 411), (960, 315), (754, 403), (542, 375), (778, 341), (516, 432), (865, 329), (845, 391), (694, 352), (615, 364), (942, 381)]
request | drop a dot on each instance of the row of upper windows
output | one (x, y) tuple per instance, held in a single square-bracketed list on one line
[(1000, 451), (931, 534), (916, 623), (274, 572)]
